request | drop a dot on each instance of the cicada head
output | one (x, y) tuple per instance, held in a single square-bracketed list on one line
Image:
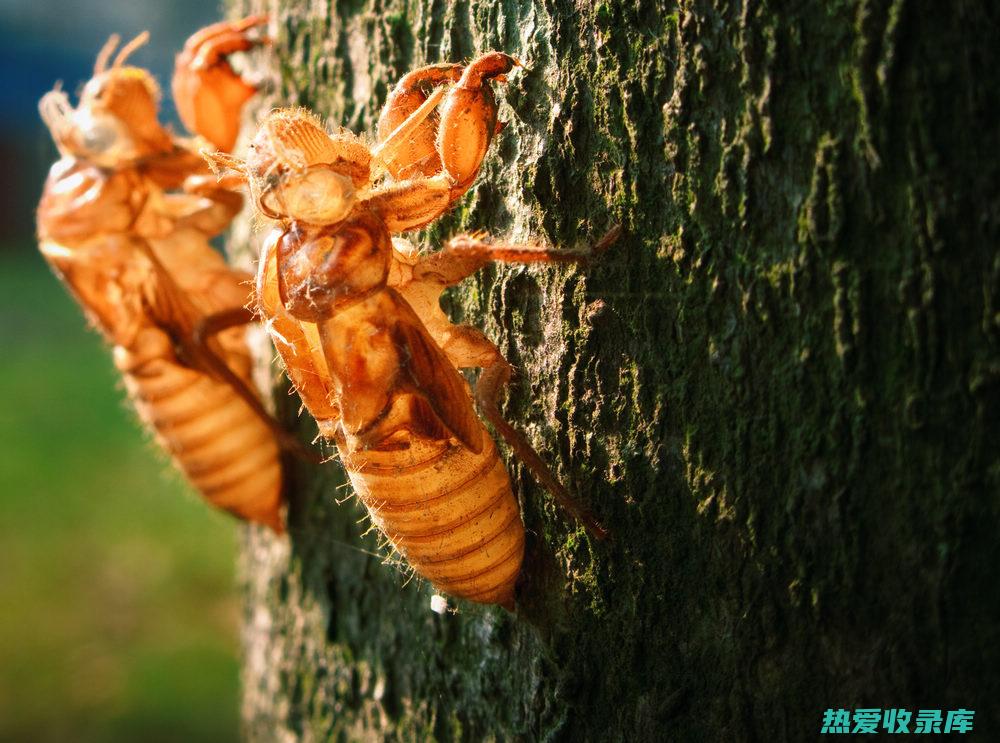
[(116, 119), (298, 171)]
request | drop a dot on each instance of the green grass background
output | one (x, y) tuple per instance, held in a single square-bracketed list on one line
[(118, 611)]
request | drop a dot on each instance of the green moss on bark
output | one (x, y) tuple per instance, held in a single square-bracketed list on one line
[(779, 390)]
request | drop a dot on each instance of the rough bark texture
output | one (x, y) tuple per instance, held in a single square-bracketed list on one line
[(779, 391)]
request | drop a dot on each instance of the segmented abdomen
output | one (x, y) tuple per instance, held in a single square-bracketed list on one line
[(225, 450), (451, 513)]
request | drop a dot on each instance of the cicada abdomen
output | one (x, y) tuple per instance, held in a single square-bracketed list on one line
[(450, 512), (214, 437)]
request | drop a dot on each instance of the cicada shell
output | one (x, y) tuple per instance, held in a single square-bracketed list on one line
[(125, 221), (357, 322)]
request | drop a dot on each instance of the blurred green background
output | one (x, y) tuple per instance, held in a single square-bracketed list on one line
[(118, 607)]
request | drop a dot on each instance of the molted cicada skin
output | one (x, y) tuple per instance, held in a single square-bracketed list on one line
[(355, 317), (125, 221)]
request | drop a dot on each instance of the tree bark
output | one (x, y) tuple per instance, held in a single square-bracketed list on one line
[(779, 390)]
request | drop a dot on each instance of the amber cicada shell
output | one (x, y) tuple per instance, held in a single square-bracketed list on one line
[(125, 221), (356, 319)]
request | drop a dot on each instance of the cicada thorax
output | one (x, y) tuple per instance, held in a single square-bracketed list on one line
[(145, 283), (400, 413)]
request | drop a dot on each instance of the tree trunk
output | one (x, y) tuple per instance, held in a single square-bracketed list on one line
[(779, 390)]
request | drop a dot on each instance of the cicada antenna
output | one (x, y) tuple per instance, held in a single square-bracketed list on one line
[(101, 64), (130, 47)]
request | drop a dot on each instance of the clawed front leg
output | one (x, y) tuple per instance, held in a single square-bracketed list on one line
[(434, 144), (207, 91), (469, 119), (406, 106)]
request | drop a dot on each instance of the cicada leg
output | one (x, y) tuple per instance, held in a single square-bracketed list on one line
[(434, 144), (463, 255), (469, 119), (208, 93), (467, 347), (408, 117)]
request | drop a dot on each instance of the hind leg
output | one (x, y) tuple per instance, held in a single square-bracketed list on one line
[(468, 347)]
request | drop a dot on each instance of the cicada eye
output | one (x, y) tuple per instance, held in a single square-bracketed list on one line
[(99, 138), (99, 134)]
